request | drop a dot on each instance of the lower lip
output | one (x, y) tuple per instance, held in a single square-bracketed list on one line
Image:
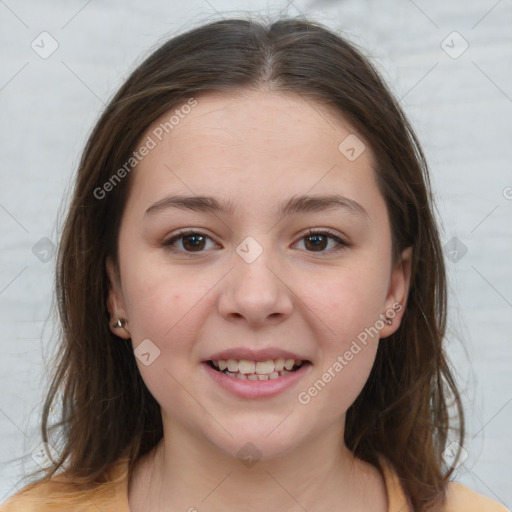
[(256, 388)]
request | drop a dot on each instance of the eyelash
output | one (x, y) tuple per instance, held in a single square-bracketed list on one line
[(342, 244)]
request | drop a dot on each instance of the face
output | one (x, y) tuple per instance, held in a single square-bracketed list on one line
[(261, 273)]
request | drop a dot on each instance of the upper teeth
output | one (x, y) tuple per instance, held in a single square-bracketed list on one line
[(261, 367)]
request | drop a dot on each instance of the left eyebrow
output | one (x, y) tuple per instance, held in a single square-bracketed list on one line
[(303, 204), (294, 205)]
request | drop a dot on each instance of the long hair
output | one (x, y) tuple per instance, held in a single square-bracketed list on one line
[(404, 411)]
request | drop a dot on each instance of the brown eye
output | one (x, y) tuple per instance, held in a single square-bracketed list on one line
[(193, 242), (318, 241), (190, 241)]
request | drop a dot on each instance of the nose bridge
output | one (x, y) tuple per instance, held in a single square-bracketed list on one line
[(255, 290)]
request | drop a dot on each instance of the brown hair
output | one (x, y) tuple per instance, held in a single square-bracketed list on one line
[(403, 411)]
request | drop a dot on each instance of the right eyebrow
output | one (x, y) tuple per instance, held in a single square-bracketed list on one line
[(195, 203)]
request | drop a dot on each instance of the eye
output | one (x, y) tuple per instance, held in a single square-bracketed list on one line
[(191, 241), (195, 241), (318, 240)]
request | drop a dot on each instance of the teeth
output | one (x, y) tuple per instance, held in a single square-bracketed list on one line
[(288, 364), (256, 370), (278, 365), (261, 368), (245, 366), (232, 365), (264, 367)]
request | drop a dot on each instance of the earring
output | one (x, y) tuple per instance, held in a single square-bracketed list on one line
[(121, 322), (386, 319)]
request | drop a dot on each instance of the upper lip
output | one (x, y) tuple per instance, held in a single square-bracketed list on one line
[(255, 355)]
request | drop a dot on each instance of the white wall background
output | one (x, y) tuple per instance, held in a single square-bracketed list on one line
[(460, 107)]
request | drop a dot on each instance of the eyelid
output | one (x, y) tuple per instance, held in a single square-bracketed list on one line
[(327, 231)]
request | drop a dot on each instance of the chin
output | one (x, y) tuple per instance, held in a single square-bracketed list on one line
[(250, 444)]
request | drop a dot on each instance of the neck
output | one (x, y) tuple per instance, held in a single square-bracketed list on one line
[(191, 474)]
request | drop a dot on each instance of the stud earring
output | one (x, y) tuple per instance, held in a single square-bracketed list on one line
[(386, 319), (121, 322)]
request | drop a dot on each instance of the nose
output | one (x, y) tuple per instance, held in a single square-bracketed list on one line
[(256, 293)]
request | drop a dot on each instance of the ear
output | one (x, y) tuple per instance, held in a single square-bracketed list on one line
[(396, 299), (115, 301)]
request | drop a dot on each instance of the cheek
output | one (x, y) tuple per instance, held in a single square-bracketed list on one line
[(345, 311), (169, 314), (341, 381), (161, 301), (345, 301), (345, 362)]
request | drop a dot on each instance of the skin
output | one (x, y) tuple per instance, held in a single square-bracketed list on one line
[(256, 149)]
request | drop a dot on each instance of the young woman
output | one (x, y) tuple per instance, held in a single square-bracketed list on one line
[(252, 292)]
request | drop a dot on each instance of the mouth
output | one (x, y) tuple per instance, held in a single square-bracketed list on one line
[(256, 370)]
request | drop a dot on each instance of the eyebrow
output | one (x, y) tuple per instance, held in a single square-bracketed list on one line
[(294, 205)]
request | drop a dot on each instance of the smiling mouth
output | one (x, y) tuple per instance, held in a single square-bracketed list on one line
[(266, 371)]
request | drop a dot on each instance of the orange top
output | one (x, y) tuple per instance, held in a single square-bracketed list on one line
[(51, 496)]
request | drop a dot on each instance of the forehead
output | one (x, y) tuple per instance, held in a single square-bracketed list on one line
[(264, 142), (276, 118)]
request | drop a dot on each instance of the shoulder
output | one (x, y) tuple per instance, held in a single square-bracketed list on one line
[(35, 496), (61, 494), (460, 498)]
